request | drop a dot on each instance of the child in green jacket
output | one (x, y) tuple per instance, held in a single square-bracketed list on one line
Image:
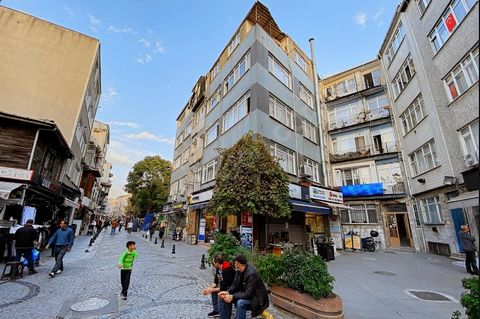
[(125, 263)]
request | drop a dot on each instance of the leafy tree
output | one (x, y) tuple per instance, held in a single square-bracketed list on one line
[(148, 182), (250, 179)]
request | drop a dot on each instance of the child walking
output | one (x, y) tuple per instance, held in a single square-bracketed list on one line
[(125, 263)]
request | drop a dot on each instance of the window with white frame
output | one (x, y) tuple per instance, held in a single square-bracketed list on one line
[(449, 21), (394, 44), (463, 76), (309, 130), (279, 71), (416, 212), (343, 115), (430, 210), (185, 156), (362, 214), (212, 134), (214, 100), (215, 71), (414, 113), (237, 112), (209, 171), (174, 188), (188, 130), (346, 87), (350, 142), (285, 157), (306, 96), (377, 102), (177, 162), (403, 77), (470, 142), (235, 42), (240, 69), (422, 5), (352, 176), (182, 185), (310, 167), (198, 177), (424, 158), (179, 139), (300, 61), (280, 111)]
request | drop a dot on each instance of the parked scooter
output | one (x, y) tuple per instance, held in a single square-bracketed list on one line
[(368, 243)]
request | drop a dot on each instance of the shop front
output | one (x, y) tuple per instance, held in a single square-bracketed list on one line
[(201, 224), (177, 220)]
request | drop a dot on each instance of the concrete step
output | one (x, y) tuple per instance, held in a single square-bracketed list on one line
[(400, 248), (457, 256)]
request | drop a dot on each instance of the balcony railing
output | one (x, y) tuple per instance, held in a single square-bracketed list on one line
[(364, 116), (350, 89), (394, 189), (359, 152)]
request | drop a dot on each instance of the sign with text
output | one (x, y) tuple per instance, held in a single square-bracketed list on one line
[(247, 219), (16, 173), (326, 195), (246, 237), (295, 191)]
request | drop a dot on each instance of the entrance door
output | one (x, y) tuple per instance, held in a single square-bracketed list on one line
[(392, 228), (399, 230), (458, 218)]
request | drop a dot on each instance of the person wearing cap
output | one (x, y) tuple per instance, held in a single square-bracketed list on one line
[(468, 244), (25, 238), (247, 291)]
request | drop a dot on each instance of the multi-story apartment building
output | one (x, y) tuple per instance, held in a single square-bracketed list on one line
[(262, 82), (430, 62), (364, 155)]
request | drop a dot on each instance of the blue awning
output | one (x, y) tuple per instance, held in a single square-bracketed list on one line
[(306, 207), (198, 205)]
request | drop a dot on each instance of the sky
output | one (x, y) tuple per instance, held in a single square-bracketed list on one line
[(153, 52)]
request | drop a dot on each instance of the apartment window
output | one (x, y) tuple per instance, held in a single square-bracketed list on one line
[(300, 61), (237, 112), (182, 185), (235, 42), (215, 71), (174, 189), (208, 171), (463, 76), (414, 113), (403, 77), (280, 111), (470, 142), (310, 167), (188, 130), (329, 92), (240, 69), (309, 130), (177, 162), (344, 114), (394, 44), (422, 5), (424, 158), (352, 176), (214, 100), (372, 79), (212, 134), (285, 157), (346, 87), (279, 71), (377, 102), (349, 143), (449, 21), (361, 214), (430, 210), (185, 156), (306, 96), (416, 212)]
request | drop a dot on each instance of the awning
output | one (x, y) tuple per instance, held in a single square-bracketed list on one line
[(335, 205), (467, 199), (306, 207), (7, 187), (198, 205)]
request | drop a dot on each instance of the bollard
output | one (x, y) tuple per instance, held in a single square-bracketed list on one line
[(86, 250), (173, 249), (163, 244), (91, 243), (202, 263), (155, 241)]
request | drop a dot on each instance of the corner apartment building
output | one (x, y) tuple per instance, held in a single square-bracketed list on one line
[(364, 155), (261, 82), (430, 61)]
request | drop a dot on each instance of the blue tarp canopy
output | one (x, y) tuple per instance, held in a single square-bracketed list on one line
[(307, 207)]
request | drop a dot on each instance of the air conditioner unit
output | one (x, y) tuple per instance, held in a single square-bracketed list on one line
[(304, 172), (471, 159)]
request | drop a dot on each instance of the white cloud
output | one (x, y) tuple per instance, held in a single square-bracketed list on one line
[(95, 24), (145, 42), (109, 95), (120, 30), (127, 124), (68, 10), (150, 31), (150, 137), (144, 58), (361, 19), (378, 14), (159, 48)]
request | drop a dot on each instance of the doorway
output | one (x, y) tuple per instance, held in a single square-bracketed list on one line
[(398, 230)]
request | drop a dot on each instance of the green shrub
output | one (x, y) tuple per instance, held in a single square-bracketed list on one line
[(471, 299), (226, 244), (270, 268)]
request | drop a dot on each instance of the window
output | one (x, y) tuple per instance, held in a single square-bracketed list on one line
[(279, 71), (174, 189), (345, 114), (185, 156), (449, 21), (212, 134), (403, 77), (352, 176), (310, 167), (430, 211), (306, 96), (280, 111), (177, 162), (182, 185), (372, 79), (414, 113), (309, 130), (422, 5), (424, 158), (188, 130), (285, 157), (362, 214), (377, 102), (349, 143), (237, 112), (463, 76), (215, 71), (397, 39), (300, 61), (214, 100), (208, 171), (235, 42), (470, 142), (240, 69), (346, 87)]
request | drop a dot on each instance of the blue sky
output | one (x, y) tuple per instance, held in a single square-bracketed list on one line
[(152, 52)]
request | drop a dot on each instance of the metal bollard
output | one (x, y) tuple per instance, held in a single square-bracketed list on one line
[(173, 249), (202, 263), (155, 241), (163, 244), (91, 243)]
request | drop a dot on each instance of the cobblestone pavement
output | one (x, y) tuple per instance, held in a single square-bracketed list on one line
[(163, 285)]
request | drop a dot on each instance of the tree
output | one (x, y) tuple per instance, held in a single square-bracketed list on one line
[(250, 179), (148, 182)]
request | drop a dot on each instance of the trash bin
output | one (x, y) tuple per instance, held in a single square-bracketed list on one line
[(326, 251)]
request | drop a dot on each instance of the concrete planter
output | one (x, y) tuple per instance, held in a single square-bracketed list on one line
[(306, 306)]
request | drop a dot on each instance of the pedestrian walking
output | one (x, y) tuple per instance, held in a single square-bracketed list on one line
[(468, 243), (99, 225), (63, 241), (25, 238), (130, 226), (125, 263), (114, 227), (151, 229), (120, 225), (161, 231)]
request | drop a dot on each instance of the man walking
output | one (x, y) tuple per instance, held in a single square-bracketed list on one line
[(63, 241), (114, 226), (468, 243), (25, 238)]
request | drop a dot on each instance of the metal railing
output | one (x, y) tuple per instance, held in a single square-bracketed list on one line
[(394, 189), (361, 117), (350, 89), (364, 151)]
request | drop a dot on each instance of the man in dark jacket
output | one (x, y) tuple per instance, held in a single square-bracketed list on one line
[(224, 275), (247, 290), (24, 243), (468, 243)]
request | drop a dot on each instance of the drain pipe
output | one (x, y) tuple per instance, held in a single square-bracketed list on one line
[(319, 116)]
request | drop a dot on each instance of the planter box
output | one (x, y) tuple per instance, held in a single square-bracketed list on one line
[(306, 306)]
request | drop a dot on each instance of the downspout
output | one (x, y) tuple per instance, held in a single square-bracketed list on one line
[(319, 116)]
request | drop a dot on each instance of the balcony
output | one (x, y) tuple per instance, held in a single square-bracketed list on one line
[(374, 190), (337, 93), (362, 117), (365, 151)]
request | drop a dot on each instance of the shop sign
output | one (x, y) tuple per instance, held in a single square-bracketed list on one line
[(247, 219), (201, 197), (178, 206), (246, 237), (326, 195), (295, 191), (201, 232), (16, 173)]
